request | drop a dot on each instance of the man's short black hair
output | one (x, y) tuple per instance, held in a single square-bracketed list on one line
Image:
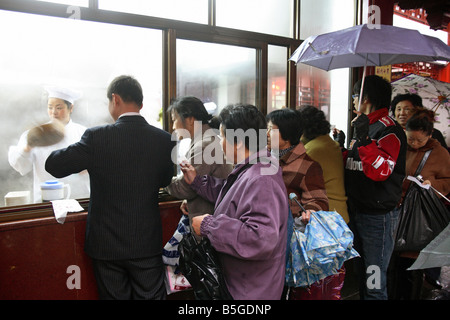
[(128, 88), (376, 89)]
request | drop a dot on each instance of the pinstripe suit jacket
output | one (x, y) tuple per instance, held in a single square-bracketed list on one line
[(128, 162)]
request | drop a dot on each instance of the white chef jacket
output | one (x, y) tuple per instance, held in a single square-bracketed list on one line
[(24, 162)]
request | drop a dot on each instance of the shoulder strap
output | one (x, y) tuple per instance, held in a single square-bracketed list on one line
[(422, 163)]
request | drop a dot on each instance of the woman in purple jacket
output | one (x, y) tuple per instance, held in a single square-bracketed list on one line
[(248, 227)]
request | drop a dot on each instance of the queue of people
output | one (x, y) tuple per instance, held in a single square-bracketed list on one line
[(240, 200)]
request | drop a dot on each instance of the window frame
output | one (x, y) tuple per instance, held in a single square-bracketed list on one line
[(173, 30)]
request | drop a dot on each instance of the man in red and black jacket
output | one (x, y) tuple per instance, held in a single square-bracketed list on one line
[(374, 172)]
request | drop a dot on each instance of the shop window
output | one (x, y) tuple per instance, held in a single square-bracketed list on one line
[(216, 74), (326, 90), (264, 16), (277, 74), (85, 56), (183, 10)]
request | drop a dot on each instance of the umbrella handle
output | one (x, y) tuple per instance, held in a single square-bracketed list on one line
[(420, 178), (362, 84)]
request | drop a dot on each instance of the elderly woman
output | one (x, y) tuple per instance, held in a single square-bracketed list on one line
[(248, 227), (321, 148), (302, 176), (404, 106), (191, 120)]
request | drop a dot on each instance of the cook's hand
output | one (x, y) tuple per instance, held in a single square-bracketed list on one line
[(184, 208), (189, 171), (197, 222), (427, 182)]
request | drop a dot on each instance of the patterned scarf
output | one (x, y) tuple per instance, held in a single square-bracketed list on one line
[(280, 153)]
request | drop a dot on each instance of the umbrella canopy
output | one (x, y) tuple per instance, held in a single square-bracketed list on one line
[(435, 96), (436, 253), (441, 49), (360, 46), (434, 93)]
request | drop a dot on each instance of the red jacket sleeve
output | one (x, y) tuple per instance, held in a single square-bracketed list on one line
[(379, 157)]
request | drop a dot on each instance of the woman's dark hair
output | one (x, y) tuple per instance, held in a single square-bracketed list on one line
[(190, 106), (415, 100), (288, 123), (422, 120), (127, 88), (313, 122), (376, 89), (247, 118)]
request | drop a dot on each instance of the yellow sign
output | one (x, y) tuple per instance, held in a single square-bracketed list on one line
[(384, 72)]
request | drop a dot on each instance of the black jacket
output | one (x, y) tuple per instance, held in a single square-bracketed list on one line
[(128, 162), (374, 173)]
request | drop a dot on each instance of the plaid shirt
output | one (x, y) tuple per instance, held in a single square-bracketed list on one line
[(304, 176)]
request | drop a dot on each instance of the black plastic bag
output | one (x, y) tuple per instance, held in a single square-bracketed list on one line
[(200, 264), (422, 217)]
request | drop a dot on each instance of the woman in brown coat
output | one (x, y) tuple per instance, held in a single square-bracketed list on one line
[(191, 120), (436, 172)]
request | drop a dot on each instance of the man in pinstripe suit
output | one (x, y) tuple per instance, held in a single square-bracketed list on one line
[(128, 162)]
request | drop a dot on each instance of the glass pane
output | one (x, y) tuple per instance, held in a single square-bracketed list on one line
[(183, 10), (328, 91), (267, 16), (320, 16), (79, 3), (277, 73), (85, 56), (313, 87), (216, 74)]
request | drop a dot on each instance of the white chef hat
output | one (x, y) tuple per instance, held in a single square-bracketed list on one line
[(63, 93)]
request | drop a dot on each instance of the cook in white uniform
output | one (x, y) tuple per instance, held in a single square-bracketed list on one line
[(24, 158)]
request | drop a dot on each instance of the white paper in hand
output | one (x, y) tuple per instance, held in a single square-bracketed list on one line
[(413, 179)]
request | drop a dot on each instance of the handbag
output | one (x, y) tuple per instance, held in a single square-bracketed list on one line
[(422, 216), (201, 266)]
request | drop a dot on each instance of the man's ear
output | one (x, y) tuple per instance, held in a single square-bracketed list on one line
[(116, 99)]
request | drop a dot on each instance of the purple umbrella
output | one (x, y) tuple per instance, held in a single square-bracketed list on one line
[(369, 45)]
